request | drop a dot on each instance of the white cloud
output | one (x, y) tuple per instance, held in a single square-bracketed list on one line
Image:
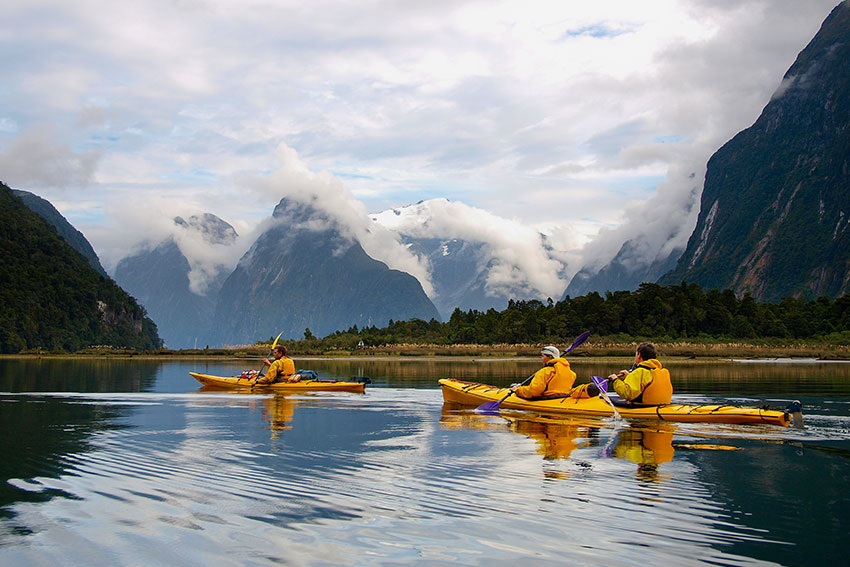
[(37, 158), (519, 259), (554, 113), (294, 181)]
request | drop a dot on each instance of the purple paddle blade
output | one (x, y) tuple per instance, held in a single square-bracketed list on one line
[(601, 383), (488, 407)]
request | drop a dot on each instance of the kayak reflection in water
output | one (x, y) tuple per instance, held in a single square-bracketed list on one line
[(554, 440), (279, 412), (648, 448)]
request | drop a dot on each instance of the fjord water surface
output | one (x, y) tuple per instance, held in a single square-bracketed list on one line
[(127, 462)]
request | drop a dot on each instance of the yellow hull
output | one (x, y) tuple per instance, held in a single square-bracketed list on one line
[(237, 382), (474, 394)]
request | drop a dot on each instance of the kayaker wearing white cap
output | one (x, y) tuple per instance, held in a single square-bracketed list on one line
[(555, 378)]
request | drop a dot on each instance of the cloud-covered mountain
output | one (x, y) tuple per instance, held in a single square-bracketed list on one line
[(180, 294), (476, 260), (628, 269), (305, 271), (775, 210)]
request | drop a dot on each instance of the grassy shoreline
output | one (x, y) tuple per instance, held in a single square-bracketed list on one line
[(592, 348)]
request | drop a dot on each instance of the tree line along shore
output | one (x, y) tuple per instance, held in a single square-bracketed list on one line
[(593, 348), (682, 320)]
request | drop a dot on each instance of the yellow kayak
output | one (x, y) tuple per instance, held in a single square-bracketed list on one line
[(304, 385), (474, 394)]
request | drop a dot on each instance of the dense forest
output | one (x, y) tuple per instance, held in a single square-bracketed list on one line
[(653, 311), (52, 299)]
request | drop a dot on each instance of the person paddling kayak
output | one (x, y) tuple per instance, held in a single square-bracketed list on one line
[(281, 370), (647, 382), (556, 376)]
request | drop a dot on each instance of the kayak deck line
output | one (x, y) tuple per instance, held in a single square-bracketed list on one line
[(474, 394)]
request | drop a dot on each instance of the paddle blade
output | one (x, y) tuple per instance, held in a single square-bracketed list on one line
[(489, 407), (601, 383), (579, 339)]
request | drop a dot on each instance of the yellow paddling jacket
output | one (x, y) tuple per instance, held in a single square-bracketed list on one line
[(555, 378), (280, 370), (649, 383)]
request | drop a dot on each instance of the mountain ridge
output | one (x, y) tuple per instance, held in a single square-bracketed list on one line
[(304, 273), (774, 209)]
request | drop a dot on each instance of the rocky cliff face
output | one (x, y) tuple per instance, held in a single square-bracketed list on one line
[(304, 273), (775, 207)]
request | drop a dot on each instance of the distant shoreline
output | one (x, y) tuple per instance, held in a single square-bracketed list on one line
[(591, 349)]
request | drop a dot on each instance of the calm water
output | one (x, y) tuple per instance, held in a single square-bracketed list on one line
[(132, 463)]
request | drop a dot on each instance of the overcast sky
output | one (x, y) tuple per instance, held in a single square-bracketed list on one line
[(564, 115)]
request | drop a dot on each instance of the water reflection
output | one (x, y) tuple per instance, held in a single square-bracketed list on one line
[(78, 375), (39, 437), (646, 445), (166, 472), (279, 412), (689, 375)]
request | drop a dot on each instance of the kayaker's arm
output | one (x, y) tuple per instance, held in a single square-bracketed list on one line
[(632, 385), (537, 386)]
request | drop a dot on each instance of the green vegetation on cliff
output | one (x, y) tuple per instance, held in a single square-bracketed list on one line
[(52, 299)]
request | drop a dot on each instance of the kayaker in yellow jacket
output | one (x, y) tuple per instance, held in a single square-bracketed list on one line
[(281, 370), (556, 376), (647, 382)]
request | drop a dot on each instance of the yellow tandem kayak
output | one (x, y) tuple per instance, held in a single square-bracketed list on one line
[(475, 394), (304, 385)]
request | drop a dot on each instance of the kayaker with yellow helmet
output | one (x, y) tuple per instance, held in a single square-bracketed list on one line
[(647, 382), (555, 378), (281, 370)]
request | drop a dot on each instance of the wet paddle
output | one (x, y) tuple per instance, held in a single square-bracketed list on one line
[(493, 407), (603, 393)]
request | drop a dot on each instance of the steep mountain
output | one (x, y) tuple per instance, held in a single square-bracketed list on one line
[(472, 265), (458, 274), (66, 230), (51, 296), (626, 271), (304, 273), (159, 277), (774, 210)]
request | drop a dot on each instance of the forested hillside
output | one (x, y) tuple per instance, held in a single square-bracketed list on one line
[(51, 298), (46, 210), (651, 312)]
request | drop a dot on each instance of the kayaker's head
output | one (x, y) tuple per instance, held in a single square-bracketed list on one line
[(279, 351), (549, 352), (645, 351)]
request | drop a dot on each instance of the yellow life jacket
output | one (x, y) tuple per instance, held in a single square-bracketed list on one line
[(660, 389), (563, 378)]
